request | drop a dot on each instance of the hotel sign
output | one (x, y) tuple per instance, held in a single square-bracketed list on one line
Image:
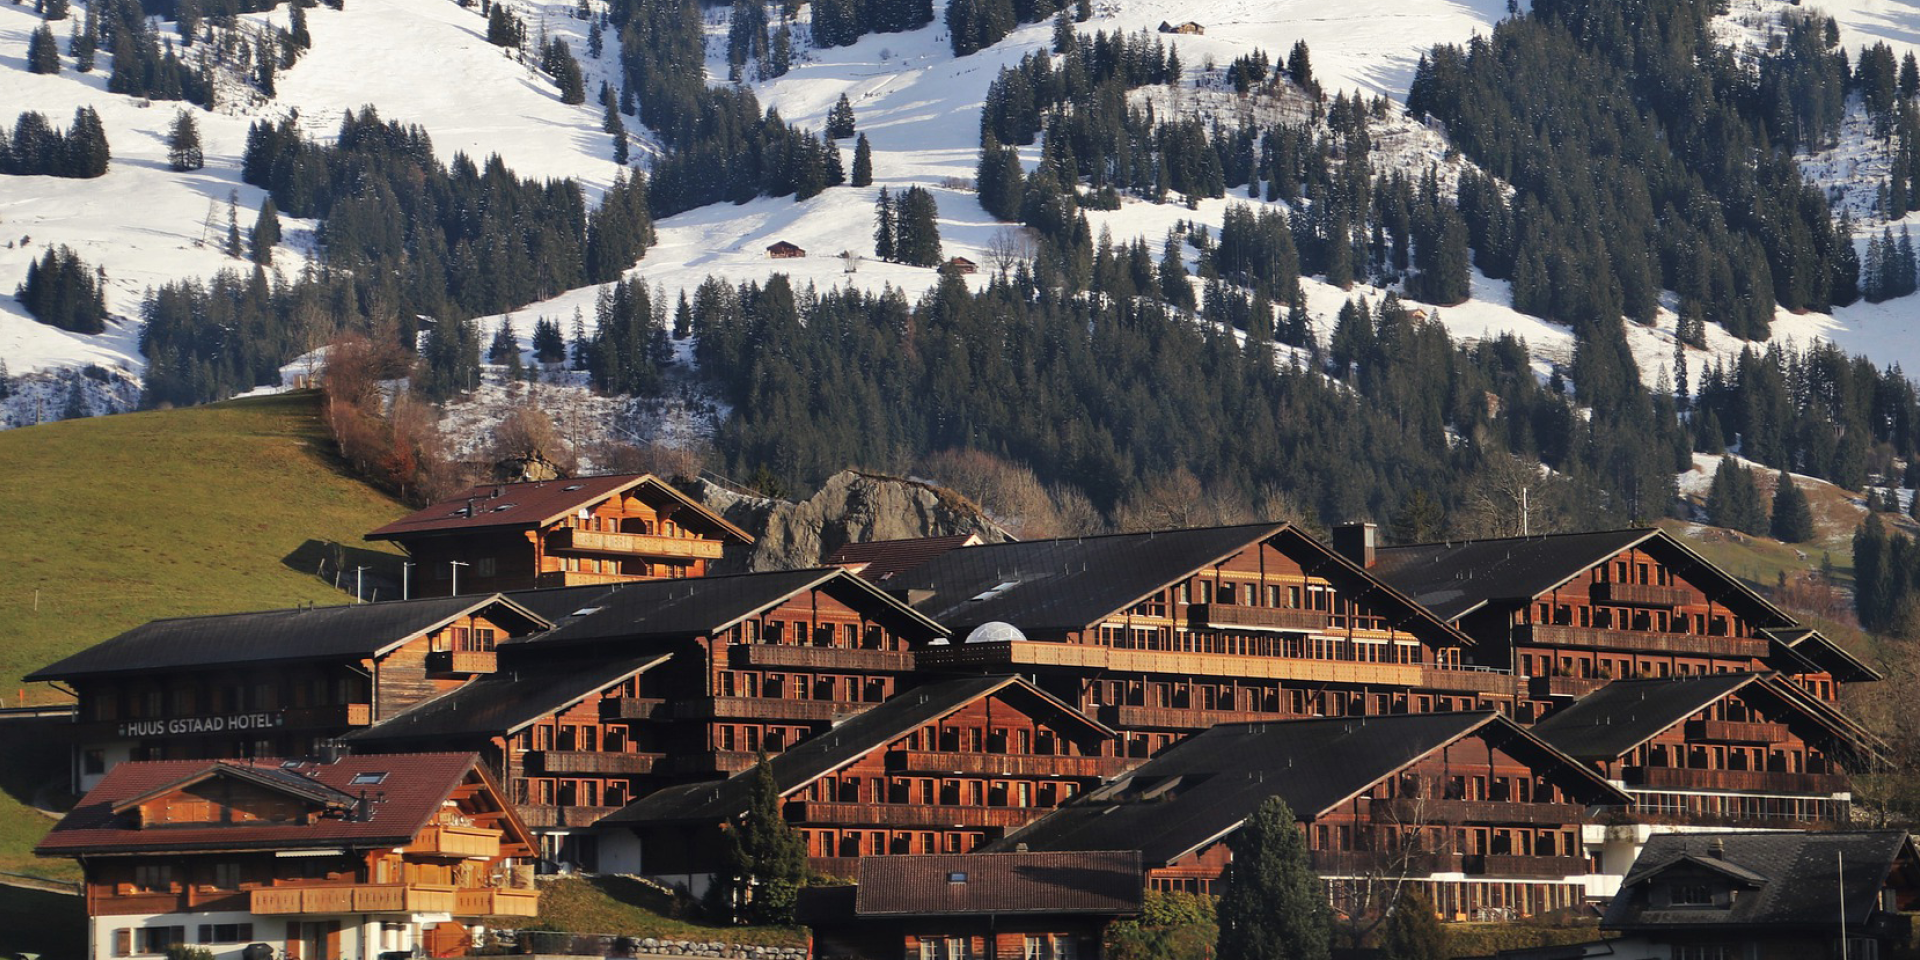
[(186, 726)]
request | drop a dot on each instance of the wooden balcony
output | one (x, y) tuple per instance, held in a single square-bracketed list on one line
[(1415, 811), (763, 708), (575, 540), (1124, 717), (1684, 644), (996, 765), (714, 761), (1021, 655), (821, 658), (461, 663), (1515, 865), (632, 708), (1227, 616), (354, 898), (579, 578), (1640, 595), (1730, 731), (1497, 682), (1751, 781), (329, 715), (497, 903), (594, 762), (1543, 688), (452, 841), (549, 815), (910, 814), (1368, 862)]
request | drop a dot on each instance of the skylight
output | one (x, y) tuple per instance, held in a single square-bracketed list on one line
[(370, 777), (998, 589)]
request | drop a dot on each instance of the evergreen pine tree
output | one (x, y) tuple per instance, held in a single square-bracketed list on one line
[(1063, 38), (54, 10), (862, 162), (297, 27), (87, 152), (765, 862), (504, 29), (265, 66), (782, 51), (266, 232), (596, 40), (1792, 518), (183, 143), (549, 344), (840, 120), (883, 239), (233, 224), (77, 407), (84, 43), (1272, 907), (1904, 278), (505, 344), (1412, 929), (43, 52)]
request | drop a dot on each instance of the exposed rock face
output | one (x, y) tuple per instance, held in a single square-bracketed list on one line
[(851, 507)]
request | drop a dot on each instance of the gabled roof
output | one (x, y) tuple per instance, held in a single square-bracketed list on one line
[(303, 633), (403, 801), (1456, 578), (881, 560), (504, 702), (1793, 879), (1200, 790), (1609, 722), (1061, 585), (1095, 882), (700, 606), (491, 506), (846, 742), (1821, 652)]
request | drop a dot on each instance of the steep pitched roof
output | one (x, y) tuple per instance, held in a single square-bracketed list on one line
[(1105, 881), (880, 561), (1060, 585), (1456, 578), (503, 702), (1793, 879), (675, 609), (403, 801), (303, 633), (846, 742), (1200, 790), (1821, 652), (539, 503), (1607, 723)]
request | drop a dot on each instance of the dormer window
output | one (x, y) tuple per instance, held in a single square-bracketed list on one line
[(1692, 895)]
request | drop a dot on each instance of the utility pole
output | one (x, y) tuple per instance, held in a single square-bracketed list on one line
[(456, 565), (359, 582), (406, 580)]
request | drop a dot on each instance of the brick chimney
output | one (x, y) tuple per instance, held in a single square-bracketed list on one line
[(1356, 542)]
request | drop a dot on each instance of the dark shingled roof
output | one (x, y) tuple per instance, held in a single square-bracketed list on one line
[(1819, 651), (845, 742), (880, 561), (1789, 879), (1105, 881), (1452, 579), (1201, 789), (1607, 723), (412, 791), (672, 609), (503, 702), (316, 633), (542, 502), (1053, 586)]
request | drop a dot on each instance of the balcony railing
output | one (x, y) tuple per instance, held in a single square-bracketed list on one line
[(1411, 811), (1542, 688), (1227, 616), (1690, 644), (1496, 682), (714, 761), (1758, 781), (1018, 655), (910, 814), (497, 903), (461, 662), (1354, 862), (330, 715), (452, 841), (1640, 595), (987, 764), (1516, 865), (579, 578), (593, 762), (632, 544), (632, 708), (821, 658), (763, 708), (354, 898), (1126, 717), (550, 815), (1732, 731)]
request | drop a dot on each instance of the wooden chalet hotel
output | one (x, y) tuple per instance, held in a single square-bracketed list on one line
[(1507, 721)]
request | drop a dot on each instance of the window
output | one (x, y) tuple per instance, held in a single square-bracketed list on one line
[(153, 877), (226, 876), (158, 939), (484, 567), (1692, 895), (226, 932), (370, 777), (1712, 951), (94, 761)]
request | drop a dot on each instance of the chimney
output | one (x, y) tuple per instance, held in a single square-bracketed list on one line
[(1717, 849), (1356, 542)]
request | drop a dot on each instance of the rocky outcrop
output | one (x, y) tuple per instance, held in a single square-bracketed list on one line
[(851, 507)]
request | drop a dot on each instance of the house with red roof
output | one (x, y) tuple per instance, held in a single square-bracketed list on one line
[(559, 533), (344, 860)]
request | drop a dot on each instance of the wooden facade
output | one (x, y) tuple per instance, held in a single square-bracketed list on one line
[(295, 855)]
